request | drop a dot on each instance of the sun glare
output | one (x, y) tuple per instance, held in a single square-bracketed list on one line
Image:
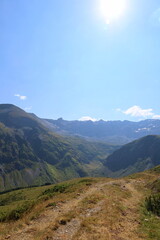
[(112, 9)]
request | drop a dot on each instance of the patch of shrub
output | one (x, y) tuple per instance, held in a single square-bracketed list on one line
[(60, 188), (11, 198), (53, 204), (153, 204), (86, 181), (18, 212)]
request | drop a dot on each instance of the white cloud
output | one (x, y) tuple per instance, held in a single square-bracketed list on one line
[(21, 97), (28, 108), (86, 118), (156, 116), (137, 111)]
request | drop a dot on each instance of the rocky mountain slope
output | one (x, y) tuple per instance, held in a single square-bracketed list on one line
[(117, 132)]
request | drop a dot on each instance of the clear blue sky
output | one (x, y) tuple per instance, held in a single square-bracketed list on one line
[(69, 63)]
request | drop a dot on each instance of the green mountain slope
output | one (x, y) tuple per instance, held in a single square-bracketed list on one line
[(31, 155), (134, 157)]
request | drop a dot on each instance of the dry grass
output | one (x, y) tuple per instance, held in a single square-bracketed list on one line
[(90, 209)]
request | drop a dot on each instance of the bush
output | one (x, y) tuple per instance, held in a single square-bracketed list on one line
[(153, 204), (18, 212), (61, 188)]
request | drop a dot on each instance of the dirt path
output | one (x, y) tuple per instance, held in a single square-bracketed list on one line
[(129, 222), (124, 228), (49, 217)]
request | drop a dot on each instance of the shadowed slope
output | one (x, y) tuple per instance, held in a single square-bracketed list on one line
[(136, 156)]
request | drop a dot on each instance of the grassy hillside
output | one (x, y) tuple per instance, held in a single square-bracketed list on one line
[(31, 155), (14, 117), (87, 208), (134, 157)]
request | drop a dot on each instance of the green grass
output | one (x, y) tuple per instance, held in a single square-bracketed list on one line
[(155, 170), (150, 225), (152, 204), (59, 188), (150, 210), (14, 205)]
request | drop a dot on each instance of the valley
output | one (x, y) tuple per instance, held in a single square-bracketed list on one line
[(34, 153), (79, 120), (30, 154), (58, 186)]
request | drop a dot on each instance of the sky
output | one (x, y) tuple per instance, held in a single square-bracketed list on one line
[(81, 59)]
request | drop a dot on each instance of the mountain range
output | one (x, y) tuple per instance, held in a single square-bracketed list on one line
[(115, 132), (35, 151)]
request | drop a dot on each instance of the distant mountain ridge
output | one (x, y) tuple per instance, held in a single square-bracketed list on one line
[(116, 132)]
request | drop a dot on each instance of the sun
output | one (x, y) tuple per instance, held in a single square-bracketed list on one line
[(112, 9)]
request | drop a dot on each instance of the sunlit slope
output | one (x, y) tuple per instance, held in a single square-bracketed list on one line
[(31, 155), (86, 208)]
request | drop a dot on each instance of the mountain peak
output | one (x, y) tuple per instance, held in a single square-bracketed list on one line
[(13, 116), (8, 106)]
